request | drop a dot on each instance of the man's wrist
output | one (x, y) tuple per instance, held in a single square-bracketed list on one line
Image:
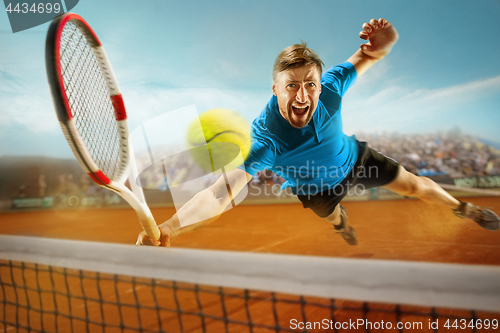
[(173, 225), (373, 57)]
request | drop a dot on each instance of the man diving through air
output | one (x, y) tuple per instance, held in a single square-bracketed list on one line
[(299, 136)]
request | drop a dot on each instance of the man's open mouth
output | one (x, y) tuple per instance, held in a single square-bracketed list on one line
[(300, 110)]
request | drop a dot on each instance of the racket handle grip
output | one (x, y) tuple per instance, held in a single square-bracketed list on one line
[(150, 227)]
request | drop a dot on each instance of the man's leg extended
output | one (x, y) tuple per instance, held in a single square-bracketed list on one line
[(425, 189)]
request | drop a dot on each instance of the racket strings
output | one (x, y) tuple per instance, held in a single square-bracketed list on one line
[(89, 100)]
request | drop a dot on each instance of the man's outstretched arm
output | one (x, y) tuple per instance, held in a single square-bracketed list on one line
[(204, 208), (381, 36)]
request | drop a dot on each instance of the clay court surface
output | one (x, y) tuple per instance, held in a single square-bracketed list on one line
[(396, 229)]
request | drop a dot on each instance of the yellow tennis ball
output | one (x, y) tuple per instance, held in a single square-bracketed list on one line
[(220, 139)]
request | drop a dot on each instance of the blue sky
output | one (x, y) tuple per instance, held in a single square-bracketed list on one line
[(443, 72)]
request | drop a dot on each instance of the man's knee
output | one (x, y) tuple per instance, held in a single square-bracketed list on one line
[(414, 186), (407, 184), (419, 186)]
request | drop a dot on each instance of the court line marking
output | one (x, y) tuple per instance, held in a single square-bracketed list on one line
[(437, 243), (275, 243)]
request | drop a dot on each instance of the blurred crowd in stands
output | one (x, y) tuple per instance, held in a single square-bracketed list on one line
[(452, 154)]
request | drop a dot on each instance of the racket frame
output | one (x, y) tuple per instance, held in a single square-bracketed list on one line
[(70, 130)]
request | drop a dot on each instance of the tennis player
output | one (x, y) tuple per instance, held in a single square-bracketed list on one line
[(299, 136)]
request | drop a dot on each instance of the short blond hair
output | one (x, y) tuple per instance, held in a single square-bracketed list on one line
[(294, 56)]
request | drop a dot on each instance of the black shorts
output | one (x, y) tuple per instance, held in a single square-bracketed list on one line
[(372, 169)]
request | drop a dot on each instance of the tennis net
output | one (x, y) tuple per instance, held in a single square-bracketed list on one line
[(49, 285)]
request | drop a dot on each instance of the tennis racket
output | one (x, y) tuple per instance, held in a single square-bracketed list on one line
[(90, 109)]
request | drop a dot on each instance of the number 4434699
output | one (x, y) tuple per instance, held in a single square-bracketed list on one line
[(473, 323), (24, 8)]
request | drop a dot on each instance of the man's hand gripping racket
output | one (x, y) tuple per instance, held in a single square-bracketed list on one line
[(91, 111)]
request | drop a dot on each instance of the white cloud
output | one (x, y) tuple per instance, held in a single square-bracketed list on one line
[(145, 103), (26, 104), (382, 105)]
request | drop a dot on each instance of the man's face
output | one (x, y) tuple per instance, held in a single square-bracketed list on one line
[(298, 92)]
